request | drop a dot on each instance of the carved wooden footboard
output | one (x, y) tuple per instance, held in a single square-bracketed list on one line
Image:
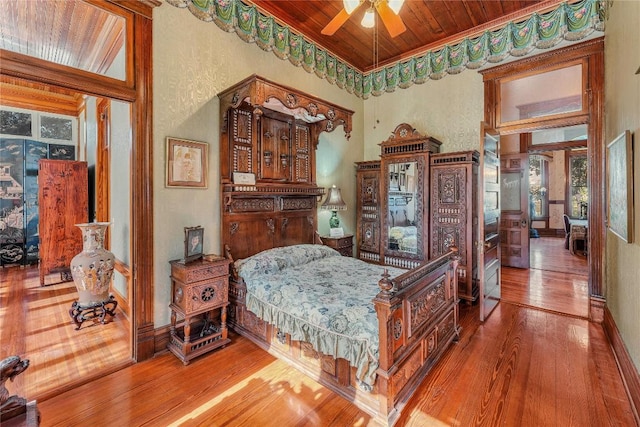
[(418, 319)]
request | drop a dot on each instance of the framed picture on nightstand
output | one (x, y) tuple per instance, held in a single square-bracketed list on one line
[(193, 242)]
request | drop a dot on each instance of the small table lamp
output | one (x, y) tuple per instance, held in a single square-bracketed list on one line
[(334, 203)]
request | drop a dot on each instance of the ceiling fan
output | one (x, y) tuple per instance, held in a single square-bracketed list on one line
[(387, 9)]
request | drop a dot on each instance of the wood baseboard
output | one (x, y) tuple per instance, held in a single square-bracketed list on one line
[(597, 305), (162, 335), (628, 370)]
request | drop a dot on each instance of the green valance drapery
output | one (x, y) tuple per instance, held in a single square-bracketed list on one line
[(570, 22)]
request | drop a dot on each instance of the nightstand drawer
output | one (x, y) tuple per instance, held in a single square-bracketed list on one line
[(207, 272), (343, 244)]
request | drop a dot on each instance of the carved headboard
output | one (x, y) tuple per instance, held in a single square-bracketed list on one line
[(268, 139)]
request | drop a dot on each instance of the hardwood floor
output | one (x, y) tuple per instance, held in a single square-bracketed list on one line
[(522, 367), (557, 280), (548, 253), (35, 324)]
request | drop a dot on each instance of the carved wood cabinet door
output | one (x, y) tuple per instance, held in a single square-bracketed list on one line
[(368, 211), (454, 215), (302, 154), (63, 203), (275, 149)]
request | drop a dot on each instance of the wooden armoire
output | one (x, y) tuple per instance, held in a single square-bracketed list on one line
[(393, 200), (445, 211), (63, 203)]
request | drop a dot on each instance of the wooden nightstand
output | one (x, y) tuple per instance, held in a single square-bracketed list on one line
[(343, 244), (200, 294)]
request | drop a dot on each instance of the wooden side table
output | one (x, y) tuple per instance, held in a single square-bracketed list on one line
[(200, 295), (343, 244)]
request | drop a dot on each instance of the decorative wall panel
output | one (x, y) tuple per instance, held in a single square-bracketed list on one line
[(567, 22)]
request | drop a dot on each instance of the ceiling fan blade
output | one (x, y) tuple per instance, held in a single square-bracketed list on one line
[(335, 23), (392, 22)]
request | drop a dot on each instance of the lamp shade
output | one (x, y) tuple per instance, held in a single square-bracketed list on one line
[(368, 20), (395, 5), (334, 201), (350, 5)]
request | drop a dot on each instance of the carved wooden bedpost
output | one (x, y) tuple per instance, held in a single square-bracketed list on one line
[(386, 303), (455, 261)]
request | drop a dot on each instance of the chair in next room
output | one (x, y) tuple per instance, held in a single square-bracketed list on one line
[(567, 230)]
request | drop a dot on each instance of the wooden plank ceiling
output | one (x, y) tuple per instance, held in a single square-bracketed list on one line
[(430, 23), (67, 32)]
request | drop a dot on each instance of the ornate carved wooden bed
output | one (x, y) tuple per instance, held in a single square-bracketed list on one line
[(417, 311)]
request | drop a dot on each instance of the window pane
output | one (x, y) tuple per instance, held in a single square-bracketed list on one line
[(522, 98), (510, 191), (66, 32), (578, 190), (538, 186), (552, 136)]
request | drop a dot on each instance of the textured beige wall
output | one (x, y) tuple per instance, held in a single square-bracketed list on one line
[(622, 111), (449, 109), (192, 62)]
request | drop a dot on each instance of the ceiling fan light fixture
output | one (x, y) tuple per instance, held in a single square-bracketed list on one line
[(395, 5), (350, 5), (368, 20)]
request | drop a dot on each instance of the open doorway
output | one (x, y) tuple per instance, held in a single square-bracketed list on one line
[(550, 91), (80, 72), (544, 197), (558, 196), (35, 318)]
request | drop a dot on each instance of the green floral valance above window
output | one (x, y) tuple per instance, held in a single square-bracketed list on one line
[(570, 22)]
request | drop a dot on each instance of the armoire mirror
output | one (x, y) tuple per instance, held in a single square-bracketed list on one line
[(401, 219), (404, 182)]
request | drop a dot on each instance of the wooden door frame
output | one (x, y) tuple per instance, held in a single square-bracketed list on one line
[(103, 196), (137, 90), (103, 163), (591, 52)]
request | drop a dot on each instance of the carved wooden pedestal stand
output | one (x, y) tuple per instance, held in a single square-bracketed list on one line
[(98, 310)]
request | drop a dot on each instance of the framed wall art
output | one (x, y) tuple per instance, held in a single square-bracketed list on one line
[(186, 163), (620, 186), (15, 123)]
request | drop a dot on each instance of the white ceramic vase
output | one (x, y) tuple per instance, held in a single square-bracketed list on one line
[(92, 268)]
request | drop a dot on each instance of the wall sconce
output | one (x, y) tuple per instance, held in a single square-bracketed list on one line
[(334, 203)]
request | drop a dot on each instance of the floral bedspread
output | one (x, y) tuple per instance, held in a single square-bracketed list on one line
[(316, 295)]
